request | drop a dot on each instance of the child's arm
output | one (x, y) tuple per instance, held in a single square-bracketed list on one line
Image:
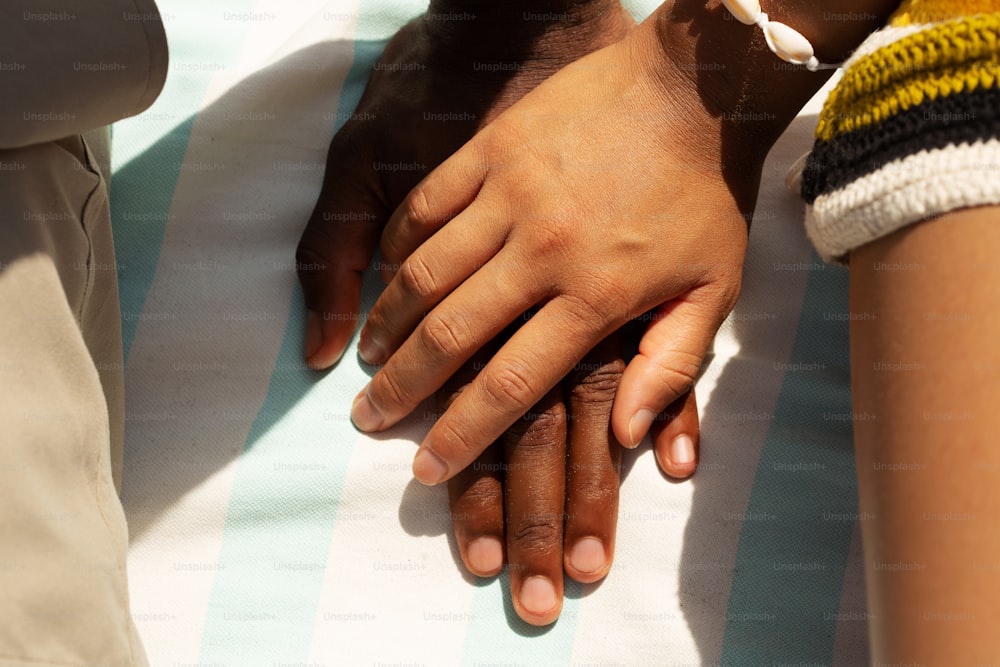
[(925, 372), (911, 133)]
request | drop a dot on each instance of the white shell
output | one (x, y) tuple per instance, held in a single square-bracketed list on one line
[(788, 43), (745, 11)]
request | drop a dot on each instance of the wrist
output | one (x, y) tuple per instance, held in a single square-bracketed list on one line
[(738, 78), (524, 30)]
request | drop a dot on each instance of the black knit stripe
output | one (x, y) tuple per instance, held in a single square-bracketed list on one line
[(948, 120)]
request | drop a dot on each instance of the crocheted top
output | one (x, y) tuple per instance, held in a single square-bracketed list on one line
[(912, 130)]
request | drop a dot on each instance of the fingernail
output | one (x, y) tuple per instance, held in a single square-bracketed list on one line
[(639, 425), (428, 467), (682, 449), (369, 351), (485, 555), (363, 413), (314, 333), (538, 595), (588, 555)]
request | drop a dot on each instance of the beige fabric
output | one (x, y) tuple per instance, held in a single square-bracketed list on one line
[(68, 66), (63, 538)]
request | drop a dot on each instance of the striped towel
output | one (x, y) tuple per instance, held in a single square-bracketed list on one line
[(267, 531)]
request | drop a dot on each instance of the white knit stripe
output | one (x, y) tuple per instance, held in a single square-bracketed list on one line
[(903, 192), (883, 38)]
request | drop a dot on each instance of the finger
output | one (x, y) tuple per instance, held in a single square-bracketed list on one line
[(446, 338), (668, 363), (535, 358), (677, 437), (476, 498), (442, 195), (534, 488), (475, 495), (426, 277), (594, 463), (336, 248)]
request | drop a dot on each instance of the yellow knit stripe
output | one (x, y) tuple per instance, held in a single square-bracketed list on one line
[(934, 11), (953, 57)]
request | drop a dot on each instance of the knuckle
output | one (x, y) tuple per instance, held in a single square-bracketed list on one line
[(509, 384), (680, 373), (308, 261), (539, 532), (597, 382), (588, 310), (726, 293), (605, 283), (481, 503), (596, 490), (386, 389), (418, 209), (539, 429), (724, 288), (556, 235), (417, 278), (444, 338), (731, 292), (453, 444), (448, 394), (391, 251), (506, 136)]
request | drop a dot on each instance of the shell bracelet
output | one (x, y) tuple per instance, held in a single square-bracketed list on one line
[(784, 41)]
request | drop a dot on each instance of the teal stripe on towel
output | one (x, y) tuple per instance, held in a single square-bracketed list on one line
[(781, 606), (287, 488), (282, 509), (148, 150), (141, 194)]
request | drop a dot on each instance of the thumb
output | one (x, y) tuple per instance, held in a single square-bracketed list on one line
[(336, 248), (665, 369)]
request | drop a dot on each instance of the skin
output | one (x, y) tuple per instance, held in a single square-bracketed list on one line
[(528, 221), (572, 500), (924, 371), (927, 463), (500, 511), (694, 119), (531, 264)]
